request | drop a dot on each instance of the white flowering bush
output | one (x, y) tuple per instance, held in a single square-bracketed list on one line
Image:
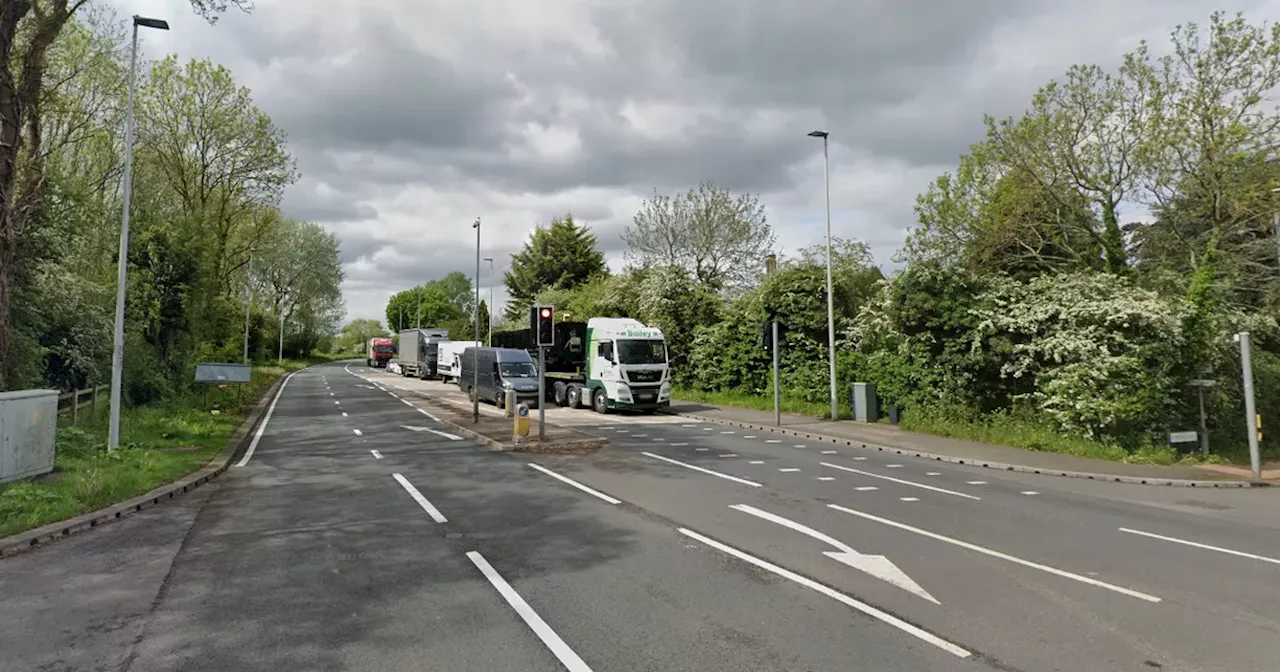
[(1104, 355)]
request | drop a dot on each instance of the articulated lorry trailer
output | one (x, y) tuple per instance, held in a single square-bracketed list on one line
[(380, 352), (605, 363), (419, 351)]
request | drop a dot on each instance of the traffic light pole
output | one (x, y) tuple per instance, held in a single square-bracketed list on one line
[(542, 394)]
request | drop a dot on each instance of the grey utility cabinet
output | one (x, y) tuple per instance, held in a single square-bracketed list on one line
[(28, 426), (865, 408)]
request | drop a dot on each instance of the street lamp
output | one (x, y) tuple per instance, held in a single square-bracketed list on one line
[(248, 302), (490, 306), (475, 352), (831, 320), (117, 354), (1276, 219)]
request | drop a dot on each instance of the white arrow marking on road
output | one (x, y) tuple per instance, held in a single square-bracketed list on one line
[(447, 435), (875, 565)]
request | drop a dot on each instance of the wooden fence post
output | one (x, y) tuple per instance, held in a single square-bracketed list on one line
[(75, 407)]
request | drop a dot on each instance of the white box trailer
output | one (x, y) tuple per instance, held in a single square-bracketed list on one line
[(449, 358)]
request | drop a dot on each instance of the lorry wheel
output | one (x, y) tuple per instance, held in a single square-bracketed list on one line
[(600, 402), (560, 394), (573, 396)]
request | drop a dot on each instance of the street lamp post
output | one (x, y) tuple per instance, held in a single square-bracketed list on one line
[(280, 355), (1276, 220), (248, 303), (831, 320), (117, 354), (489, 312), (475, 352)]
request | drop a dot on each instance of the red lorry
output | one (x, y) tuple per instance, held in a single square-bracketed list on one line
[(381, 350)]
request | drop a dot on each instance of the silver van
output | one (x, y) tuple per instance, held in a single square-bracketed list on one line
[(500, 369)]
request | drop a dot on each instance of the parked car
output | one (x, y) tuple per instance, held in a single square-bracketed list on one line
[(393, 366)]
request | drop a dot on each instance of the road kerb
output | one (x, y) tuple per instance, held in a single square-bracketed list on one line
[(986, 464), (41, 536)]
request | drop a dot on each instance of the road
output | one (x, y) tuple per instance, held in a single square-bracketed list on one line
[(362, 535)]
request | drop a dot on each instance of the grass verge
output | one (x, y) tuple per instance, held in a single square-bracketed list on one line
[(760, 402), (159, 444)]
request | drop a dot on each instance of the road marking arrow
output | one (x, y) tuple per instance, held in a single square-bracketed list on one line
[(447, 435), (875, 565)]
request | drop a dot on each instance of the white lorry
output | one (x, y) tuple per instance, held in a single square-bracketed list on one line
[(449, 358), (606, 363)]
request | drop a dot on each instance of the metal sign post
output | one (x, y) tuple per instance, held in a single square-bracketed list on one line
[(1200, 384), (542, 393), (771, 265), (1250, 411)]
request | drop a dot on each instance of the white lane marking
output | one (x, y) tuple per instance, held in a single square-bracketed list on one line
[(876, 565), (774, 441), (749, 436), (447, 435), (1207, 547), (394, 395), (826, 478), (893, 466), (422, 501), (897, 480), (332, 394), (727, 477), (344, 414), (997, 554), (1030, 492), (726, 432), (358, 432), (933, 473), (789, 470), (624, 431), (639, 436), (866, 488), (729, 455), (570, 481), (679, 444), (702, 450), (425, 413), (262, 426), (976, 482), (830, 452), (859, 458), (708, 429), (376, 455), (567, 657), (688, 426), (337, 403), (909, 499), (658, 438), (406, 402), (833, 594), (756, 462), (798, 445)]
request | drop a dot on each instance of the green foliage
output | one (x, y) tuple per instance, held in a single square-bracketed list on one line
[(355, 335), (441, 303), (561, 256)]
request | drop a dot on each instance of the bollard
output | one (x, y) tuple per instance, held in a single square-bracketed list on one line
[(520, 432), (510, 407)]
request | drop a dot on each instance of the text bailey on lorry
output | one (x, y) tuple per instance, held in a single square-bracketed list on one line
[(381, 350), (419, 351), (605, 363)]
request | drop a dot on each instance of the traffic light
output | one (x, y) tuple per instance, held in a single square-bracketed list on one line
[(542, 322)]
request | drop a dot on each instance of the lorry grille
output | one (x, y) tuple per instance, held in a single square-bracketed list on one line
[(644, 376)]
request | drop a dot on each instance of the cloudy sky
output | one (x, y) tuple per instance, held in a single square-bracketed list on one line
[(410, 118)]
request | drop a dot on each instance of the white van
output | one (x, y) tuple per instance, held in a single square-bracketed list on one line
[(450, 358)]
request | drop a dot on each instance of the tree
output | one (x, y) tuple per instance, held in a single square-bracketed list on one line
[(355, 335), (719, 239), (561, 256), (28, 29)]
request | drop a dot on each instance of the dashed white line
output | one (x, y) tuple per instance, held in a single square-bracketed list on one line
[(866, 488), (789, 470), (376, 455), (749, 436), (426, 413), (688, 426), (344, 414), (708, 429), (567, 657), (933, 473), (898, 480), (799, 445), (570, 481), (406, 402), (826, 478), (727, 477), (860, 459), (830, 452), (1030, 492), (422, 501), (726, 432), (702, 450), (332, 394), (997, 554), (658, 438), (773, 441), (679, 444), (756, 462), (1207, 547), (909, 499), (358, 432), (257, 436), (729, 455), (337, 403), (639, 436), (833, 594), (893, 466), (976, 482)]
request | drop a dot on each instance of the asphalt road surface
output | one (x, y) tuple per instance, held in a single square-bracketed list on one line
[(360, 534)]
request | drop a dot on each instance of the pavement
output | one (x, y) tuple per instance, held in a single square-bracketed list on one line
[(971, 451), (347, 542)]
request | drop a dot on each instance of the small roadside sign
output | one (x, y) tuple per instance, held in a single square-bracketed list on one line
[(1183, 437)]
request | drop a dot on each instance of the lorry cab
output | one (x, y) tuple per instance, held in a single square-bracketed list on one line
[(487, 373), (626, 366)]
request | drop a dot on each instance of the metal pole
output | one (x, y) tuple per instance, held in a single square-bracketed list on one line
[(542, 394), (248, 302), (475, 357), (280, 355), (1204, 426), (831, 320), (1250, 412), (117, 355), (1277, 219), (489, 308), (777, 394)]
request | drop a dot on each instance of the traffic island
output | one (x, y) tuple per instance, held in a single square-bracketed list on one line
[(496, 432)]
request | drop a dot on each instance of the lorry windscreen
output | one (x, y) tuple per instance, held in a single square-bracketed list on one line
[(516, 370), (384, 348), (642, 351)]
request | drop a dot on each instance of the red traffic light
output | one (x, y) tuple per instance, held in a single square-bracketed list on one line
[(546, 312)]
